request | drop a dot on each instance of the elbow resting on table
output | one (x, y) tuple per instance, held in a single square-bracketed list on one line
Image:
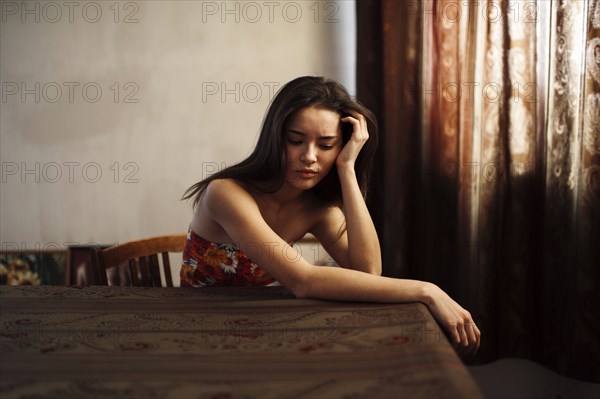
[(299, 290), (300, 283)]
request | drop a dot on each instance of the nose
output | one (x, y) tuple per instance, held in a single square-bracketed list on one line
[(309, 155)]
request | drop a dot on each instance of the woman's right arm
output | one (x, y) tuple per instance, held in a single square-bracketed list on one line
[(232, 207)]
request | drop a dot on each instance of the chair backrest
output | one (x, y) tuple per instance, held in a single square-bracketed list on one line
[(142, 256)]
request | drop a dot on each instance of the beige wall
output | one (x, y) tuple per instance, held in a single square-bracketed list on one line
[(82, 168)]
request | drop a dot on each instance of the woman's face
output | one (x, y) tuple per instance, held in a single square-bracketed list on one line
[(313, 140)]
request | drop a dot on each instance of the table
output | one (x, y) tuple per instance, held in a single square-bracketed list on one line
[(134, 342)]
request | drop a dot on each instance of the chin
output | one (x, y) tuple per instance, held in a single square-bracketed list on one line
[(305, 185)]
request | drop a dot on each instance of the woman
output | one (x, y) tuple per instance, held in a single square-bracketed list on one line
[(308, 173)]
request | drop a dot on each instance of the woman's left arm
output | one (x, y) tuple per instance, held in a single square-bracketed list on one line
[(358, 248)]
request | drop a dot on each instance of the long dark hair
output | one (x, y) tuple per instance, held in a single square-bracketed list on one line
[(268, 160)]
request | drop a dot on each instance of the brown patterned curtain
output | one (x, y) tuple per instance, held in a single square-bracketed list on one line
[(488, 176)]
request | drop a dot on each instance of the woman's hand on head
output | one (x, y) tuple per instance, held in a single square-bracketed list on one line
[(360, 135), (457, 321)]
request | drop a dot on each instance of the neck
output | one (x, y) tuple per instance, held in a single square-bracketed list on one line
[(286, 195)]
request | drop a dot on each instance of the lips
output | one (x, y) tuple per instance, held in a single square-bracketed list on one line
[(307, 173)]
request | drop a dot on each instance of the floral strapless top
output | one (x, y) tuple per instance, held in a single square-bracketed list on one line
[(206, 263)]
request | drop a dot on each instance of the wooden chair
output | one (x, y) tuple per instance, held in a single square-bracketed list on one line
[(142, 256)]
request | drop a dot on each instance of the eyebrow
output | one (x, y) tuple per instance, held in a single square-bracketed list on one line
[(320, 138)]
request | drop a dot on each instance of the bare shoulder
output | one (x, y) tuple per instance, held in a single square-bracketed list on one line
[(226, 192), (224, 186), (223, 200)]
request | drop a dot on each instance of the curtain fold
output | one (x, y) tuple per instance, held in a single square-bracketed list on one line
[(489, 173)]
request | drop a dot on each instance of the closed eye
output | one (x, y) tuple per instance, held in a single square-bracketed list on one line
[(322, 146)]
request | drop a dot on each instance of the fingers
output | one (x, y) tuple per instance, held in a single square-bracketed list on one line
[(470, 338), (477, 337), (347, 157), (464, 340), (474, 336), (355, 122), (359, 122), (465, 333), (458, 322), (456, 338), (355, 114)]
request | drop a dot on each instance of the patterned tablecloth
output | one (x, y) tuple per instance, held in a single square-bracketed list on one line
[(110, 342)]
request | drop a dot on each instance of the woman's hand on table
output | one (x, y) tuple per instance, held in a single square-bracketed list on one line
[(457, 321)]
